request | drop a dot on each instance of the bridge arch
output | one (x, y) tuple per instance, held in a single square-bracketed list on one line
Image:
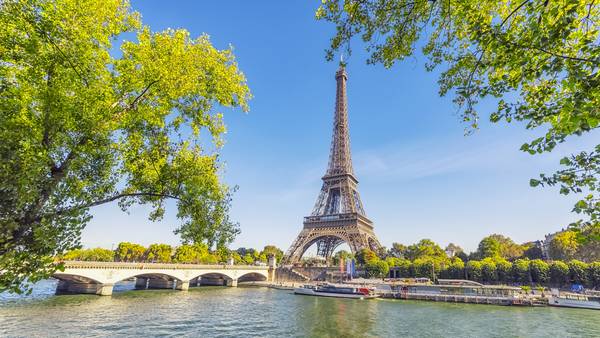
[(253, 277), (76, 278), (213, 278)]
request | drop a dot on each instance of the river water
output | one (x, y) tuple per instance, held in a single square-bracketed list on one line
[(255, 311)]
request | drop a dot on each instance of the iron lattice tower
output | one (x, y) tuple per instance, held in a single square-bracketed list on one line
[(338, 215)]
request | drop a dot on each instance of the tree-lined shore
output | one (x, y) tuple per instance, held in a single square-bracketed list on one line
[(497, 260), (165, 253)]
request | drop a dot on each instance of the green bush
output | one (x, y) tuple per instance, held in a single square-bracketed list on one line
[(129, 252), (559, 273), (488, 271), (578, 272), (95, 254), (504, 271), (594, 274), (377, 269), (539, 270), (521, 272), (159, 253), (474, 270)]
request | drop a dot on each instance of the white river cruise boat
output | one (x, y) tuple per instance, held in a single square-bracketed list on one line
[(576, 300), (330, 290)]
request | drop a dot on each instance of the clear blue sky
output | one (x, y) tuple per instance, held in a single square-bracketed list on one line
[(419, 176)]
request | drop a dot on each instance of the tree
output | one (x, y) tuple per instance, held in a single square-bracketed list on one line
[(488, 248), (342, 255), (404, 266), (504, 270), (559, 273), (271, 250), (129, 252), (495, 246), (365, 256), (537, 59), (211, 224), (489, 272), (425, 248), (248, 259), (463, 256), (578, 272), (453, 249), (377, 268), (540, 271), (532, 250), (398, 250), (194, 253), (95, 254), (521, 273), (563, 246), (456, 268), (160, 253), (82, 125), (474, 270), (589, 247), (594, 275)]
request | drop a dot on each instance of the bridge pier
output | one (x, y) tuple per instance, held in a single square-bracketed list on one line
[(160, 283), (232, 282), (183, 285), (74, 287), (141, 283)]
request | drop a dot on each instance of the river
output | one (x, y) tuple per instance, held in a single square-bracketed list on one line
[(263, 312)]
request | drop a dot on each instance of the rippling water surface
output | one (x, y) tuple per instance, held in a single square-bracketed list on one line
[(253, 311)]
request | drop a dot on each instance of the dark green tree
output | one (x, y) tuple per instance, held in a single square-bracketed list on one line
[(540, 271), (578, 272), (559, 273), (521, 273), (474, 270), (594, 275)]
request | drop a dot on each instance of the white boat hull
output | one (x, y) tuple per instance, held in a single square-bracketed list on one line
[(311, 292), (574, 303)]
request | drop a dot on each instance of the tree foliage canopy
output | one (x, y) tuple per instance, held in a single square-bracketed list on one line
[(537, 59), (83, 124)]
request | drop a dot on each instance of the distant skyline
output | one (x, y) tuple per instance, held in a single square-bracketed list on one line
[(419, 176)]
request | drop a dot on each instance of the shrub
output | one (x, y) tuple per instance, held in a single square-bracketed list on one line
[(594, 274), (504, 271), (539, 271), (488, 271), (160, 253), (474, 270), (578, 272), (521, 272), (559, 273), (377, 269)]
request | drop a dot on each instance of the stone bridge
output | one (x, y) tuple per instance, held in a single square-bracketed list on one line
[(100, 277)]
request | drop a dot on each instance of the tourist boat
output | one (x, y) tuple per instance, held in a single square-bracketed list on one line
[(576, 300), (329, 290)]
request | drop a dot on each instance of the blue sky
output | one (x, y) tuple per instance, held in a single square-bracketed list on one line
[(420, 177)]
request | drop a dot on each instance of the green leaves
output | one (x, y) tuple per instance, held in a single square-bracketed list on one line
[(539, 58), (80, 127)]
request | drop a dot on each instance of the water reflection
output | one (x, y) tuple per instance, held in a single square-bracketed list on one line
[(335, 317)]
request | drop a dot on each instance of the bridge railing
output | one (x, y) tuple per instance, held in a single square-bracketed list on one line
[(169, 266)]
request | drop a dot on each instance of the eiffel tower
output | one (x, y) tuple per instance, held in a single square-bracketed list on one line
[(338, 215)]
